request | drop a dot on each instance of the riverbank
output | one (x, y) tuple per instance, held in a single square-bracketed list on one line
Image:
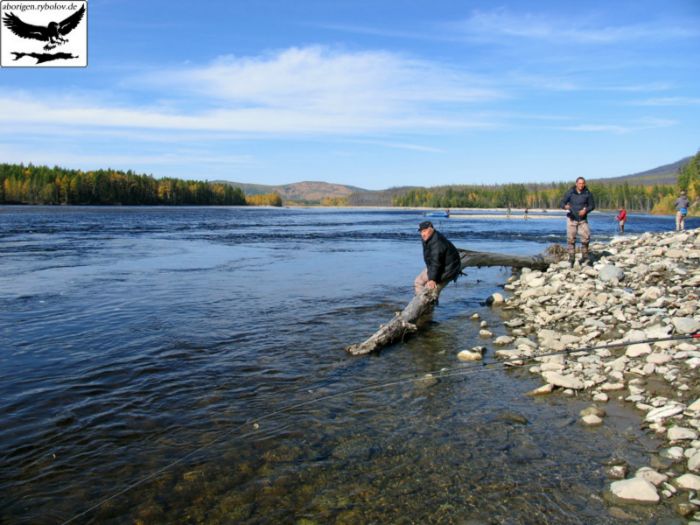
[(640, 299)]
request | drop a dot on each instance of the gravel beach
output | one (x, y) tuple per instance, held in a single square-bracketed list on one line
[(639, 300)]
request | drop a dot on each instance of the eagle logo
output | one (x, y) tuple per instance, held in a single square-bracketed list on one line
[(54, 33)]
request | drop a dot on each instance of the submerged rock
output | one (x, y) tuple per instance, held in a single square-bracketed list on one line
[(469, 355)]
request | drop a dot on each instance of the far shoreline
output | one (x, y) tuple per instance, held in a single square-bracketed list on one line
[(533, 213)]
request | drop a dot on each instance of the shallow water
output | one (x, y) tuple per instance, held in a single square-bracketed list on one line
[(187, 365)]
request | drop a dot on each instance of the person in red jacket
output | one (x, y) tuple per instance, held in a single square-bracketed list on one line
[(622, 219)]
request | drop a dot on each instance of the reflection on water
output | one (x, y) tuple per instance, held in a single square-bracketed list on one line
[(187, 365)]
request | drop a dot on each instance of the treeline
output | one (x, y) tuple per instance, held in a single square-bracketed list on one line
[(637, 198), (266, 199), (20, 184)]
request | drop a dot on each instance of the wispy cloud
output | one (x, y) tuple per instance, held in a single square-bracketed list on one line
[(312, 79), (293, 92), (497, 23), (50, 156), (667, 101), (399, 145), (618, 129)]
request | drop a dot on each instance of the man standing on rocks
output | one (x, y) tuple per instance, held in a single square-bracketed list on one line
[(681, 205), (442, 261), (579, 202)]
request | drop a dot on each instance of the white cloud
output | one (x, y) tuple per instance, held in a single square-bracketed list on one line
[(607, 128), (667, 101), (317, 78), (494, 24), (617, 129), (94, 160), (297, 91)]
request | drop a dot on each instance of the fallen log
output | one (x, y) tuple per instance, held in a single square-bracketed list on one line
[(408, 320)]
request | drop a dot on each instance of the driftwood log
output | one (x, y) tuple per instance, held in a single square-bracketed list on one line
[(407, 320)]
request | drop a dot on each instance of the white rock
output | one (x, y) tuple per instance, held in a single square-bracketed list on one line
[(695, 405), (485, 333), (634, 335), (551, 367), (648, 369), (638, 350), (553, 344), (467, 355), (651, 475), (552, 359), (544, 389), (610, 273), (525, 341), (536, 283), (681, 433), (509, 354), (688, 482), (569, 339), (674, 453), (658, 358), (609, 387), (635, 489), (694, 462), (592, 420), (664, 412), (564, 381), (600, 396), (686, 325), (618, 364), (503, 340), (658, 331)]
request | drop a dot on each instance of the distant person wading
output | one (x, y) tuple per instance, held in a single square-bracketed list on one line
[(442, 262), (681, 206), (621, 219), (578, 202)]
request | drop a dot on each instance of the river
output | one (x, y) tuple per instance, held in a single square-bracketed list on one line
[(187, 365)]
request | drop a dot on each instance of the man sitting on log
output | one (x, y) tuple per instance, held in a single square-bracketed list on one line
[(441, 259)]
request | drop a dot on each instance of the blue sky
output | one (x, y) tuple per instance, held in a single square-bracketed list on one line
[(369, 93)]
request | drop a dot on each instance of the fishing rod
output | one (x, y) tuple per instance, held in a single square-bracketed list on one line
[(441, 373)]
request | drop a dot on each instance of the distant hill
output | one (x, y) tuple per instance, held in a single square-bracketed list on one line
[(307, 192), (666, 174), (312, 192)]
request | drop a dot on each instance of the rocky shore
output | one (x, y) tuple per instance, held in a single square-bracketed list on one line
[(621, 328)]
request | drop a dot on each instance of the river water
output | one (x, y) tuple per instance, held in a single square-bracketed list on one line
[(187, 365)]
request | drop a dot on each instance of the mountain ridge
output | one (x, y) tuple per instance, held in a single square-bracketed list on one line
[(313, 192)]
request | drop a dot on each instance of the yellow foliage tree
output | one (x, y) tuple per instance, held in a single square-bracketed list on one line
[(266, 199)]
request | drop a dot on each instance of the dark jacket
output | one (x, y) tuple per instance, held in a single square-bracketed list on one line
[(578, 201), (682, 202), (441, 258)]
